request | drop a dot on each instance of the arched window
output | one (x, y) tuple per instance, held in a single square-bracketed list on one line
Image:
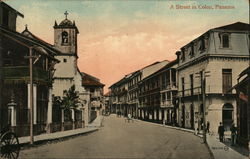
[(65, 37)]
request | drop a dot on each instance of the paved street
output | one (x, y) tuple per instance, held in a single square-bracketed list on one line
[(118, 139)]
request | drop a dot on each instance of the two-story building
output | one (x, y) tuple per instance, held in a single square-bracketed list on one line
[(217, 56), (95, 87), (24, 57)]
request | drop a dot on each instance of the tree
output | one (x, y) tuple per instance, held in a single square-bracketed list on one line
[(69, 101)]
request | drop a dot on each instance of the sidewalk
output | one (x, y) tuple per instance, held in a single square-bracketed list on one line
[(61, 134), (96, 123), (218, 149)]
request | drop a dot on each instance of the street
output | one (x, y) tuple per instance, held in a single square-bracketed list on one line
[(117, 139)]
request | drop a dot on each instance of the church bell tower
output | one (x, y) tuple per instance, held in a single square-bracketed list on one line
[(65, 36)]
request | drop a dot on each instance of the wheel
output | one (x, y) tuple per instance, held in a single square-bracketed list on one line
[(9, 146)]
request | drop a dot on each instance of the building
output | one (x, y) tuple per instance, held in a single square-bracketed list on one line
[(157, 95), (107, 103), (242, 98), (216, 58), (95, 87), (66, 75), (16, 48), (125, 92)]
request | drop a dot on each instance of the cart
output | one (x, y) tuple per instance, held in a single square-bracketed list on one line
[(9, 144)]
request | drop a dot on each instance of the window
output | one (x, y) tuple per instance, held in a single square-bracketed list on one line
[(65, 37), (191, 53), (226, 80), (225, 41), (65, 60), (202, 44)]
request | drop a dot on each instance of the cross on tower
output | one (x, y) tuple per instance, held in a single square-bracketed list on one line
[(66, 14)]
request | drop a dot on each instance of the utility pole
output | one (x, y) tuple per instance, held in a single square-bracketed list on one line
[(202, 75), (203, 86), (31, 95)]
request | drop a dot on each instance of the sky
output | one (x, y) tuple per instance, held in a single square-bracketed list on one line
[(118, 37)]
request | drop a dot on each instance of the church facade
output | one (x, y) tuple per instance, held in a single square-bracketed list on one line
[(66, 75)]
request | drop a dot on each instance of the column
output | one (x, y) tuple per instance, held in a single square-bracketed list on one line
[(142, 114), (155, 114), (62, 114), (73, 117), (165, 115), (34, 102), (160, 114), (49, 113)]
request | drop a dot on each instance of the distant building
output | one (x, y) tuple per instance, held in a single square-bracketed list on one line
[(95, 87), (125, 92), (222, 53), (157, 94)]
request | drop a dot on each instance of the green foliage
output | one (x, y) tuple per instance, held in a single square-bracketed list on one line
[(70, 100)]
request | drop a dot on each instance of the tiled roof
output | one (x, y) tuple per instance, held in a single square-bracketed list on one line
[(88, 80)]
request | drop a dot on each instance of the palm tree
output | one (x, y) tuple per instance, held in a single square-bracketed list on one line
[(69, 101)]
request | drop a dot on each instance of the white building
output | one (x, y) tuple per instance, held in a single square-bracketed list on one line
[(223, 53)]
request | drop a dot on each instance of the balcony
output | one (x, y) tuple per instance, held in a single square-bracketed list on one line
[(21, 74), (171, 86), (166, 103), (190, 92)]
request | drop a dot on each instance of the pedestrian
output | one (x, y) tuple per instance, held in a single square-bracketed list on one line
[(233, 130), (208, 126), (221, 131)]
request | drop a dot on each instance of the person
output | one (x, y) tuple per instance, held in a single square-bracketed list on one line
[(208, 126), (129, 117), (221, 131), (233, 130)]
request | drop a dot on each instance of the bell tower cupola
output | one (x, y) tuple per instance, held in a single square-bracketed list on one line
[(65, 36)]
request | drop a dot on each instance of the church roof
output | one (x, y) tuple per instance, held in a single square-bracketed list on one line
[(67, 23)]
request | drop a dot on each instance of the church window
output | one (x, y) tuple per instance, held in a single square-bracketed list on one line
[(65, 37), (65, 60)]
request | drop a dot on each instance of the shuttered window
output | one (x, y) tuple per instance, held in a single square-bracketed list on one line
[(226, 80)]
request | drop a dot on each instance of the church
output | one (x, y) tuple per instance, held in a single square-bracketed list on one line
[(66, 75)]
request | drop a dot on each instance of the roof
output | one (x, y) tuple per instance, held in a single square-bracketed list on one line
[(66, 23), (89, 80), (10, 8), (29, 42), (238, 26), (168, 65), (28, 34)]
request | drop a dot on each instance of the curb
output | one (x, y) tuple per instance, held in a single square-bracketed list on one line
[(44, 141)]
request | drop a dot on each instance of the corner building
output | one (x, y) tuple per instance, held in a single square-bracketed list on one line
[(222, 53)]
